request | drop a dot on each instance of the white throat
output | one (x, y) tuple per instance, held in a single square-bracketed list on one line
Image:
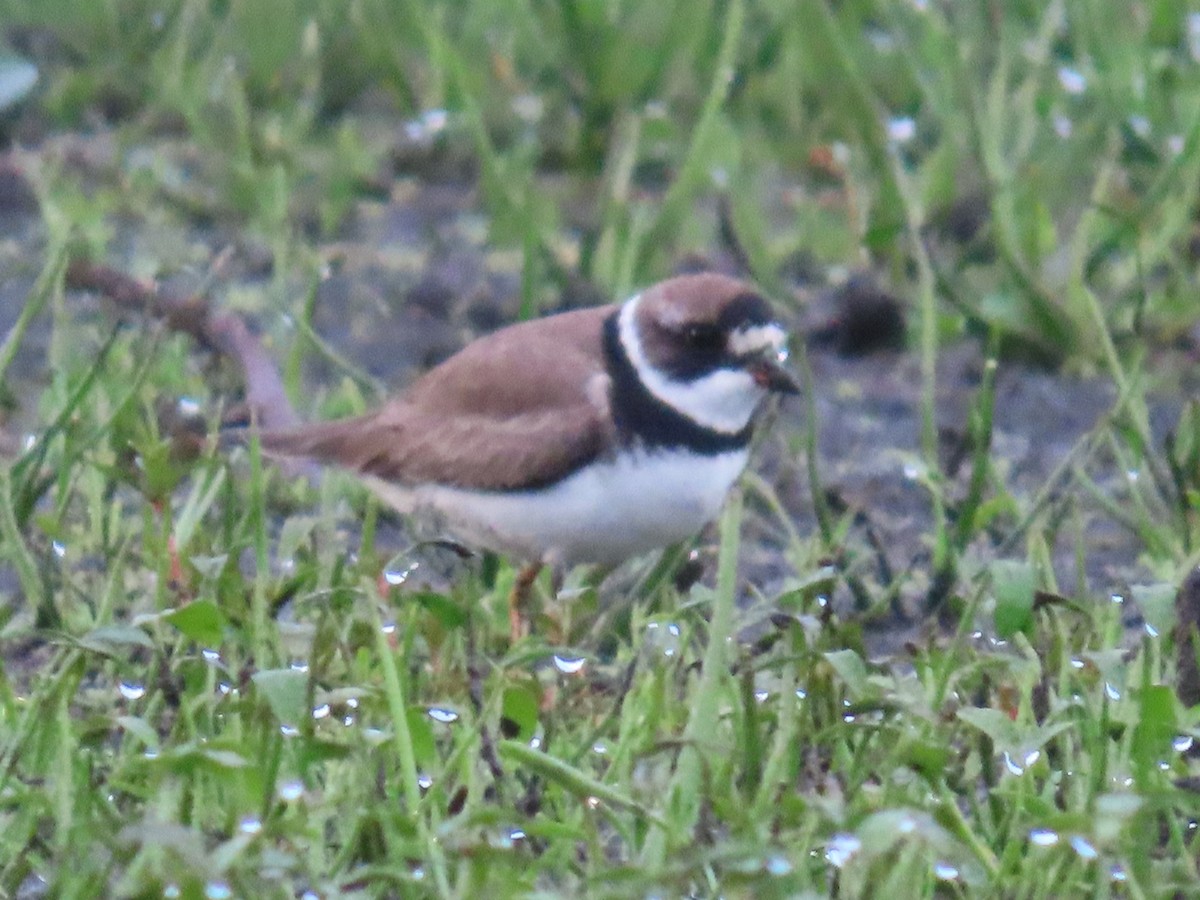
[(722, 401)]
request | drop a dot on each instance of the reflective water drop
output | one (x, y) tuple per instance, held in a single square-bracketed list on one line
[(397, 577), (943, 871), (569, 665), (593, 802), (188, 406), (424, 782), (1072, 80), (1032, 757), (664, 638), (1043, 837), (290, 791), (535, 742), (762, 696), (1140, 126), (1151, 630), (901, 129), (1012, 765), (224, 688), (298, 665), (1117, 873), (1182, 743), (289, 731), (600, 748), (389, 628), (131, 691), (171, 891), (250, 825), (1116, 598), (59, 548), (1111, 691), (778, 866), (801, 694), (217, 890), (1082, 847), (1077, 663), (1063, 126), (841, 848), (443, 715), (211, 656), (321, 712)]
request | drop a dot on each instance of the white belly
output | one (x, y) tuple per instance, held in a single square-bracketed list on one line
[(604, 514)]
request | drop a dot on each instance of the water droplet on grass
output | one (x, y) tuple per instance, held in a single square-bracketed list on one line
[(321, 712), (250, 825), (593, 802), (1043, 837), (59, 548), (1083, 847), (131, 691), (569, 665), (1182, 743), (1072, 80), (1012, 765), (901, 129), (1111, 691), (289, 731), (1117, 873), (443, 715), (212, 656), (291, 791), (778, 866), (217, 890), (841, 848), (397, 577), (943, 871), (424, 782)]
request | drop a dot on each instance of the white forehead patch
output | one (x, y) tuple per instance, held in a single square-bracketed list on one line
[(723, 400), (756, 339)]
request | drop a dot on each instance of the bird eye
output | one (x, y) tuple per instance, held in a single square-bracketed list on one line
[(702, 335)]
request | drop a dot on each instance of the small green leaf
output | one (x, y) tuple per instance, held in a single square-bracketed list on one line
[(1155, 729), (1014, 588), (448, 613), (569, 778), (199, 620), (520, 706), (420, 729), (284, 690), (852, 670), (140, 729), (108, 639), (1157, 603), (995, 724)]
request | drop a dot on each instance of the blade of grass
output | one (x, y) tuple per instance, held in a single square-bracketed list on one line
[(681, 806)]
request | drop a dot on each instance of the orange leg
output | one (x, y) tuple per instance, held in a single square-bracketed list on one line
[(518, 624)]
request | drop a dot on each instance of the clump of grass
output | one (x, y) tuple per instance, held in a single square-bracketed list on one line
[(203, 691)]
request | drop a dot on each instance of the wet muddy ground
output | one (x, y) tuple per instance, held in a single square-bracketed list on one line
[(411, 277)]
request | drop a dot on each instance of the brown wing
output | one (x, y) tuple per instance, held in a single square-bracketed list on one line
[(478, 421)]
